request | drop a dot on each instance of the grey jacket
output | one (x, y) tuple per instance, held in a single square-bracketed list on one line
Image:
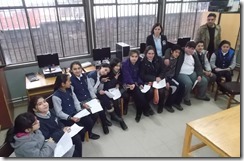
[(203, 34), (206, 66), (33, 145)]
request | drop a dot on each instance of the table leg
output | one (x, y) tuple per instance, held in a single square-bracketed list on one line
[(187, 142)]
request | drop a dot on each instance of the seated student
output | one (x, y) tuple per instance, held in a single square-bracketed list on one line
[(223, 61), (66, 105), (202, 56), (50, 125), (152, 70), (133, 83), (84, 91), (28, 141), (115, 81), (188, 70), (175, 96)]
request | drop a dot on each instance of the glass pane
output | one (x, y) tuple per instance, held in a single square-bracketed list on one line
[(9, 3), (103, 1), (127, 1), (128, 24), (105, 26), (16, 42), (31, 3), (73, 30), (45, 30), (171, 24), (147, 18), (148, 0), (69, 1)]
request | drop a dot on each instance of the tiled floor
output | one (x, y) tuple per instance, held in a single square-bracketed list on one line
[(160, 135)]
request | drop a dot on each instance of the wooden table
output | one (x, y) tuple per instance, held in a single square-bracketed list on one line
[(44, 86), (220, 131)]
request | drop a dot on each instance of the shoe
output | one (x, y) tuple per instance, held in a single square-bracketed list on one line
[(146, 114), (188, 103), (94, 136), (105, 129), (115, 117), (125, 110), (108, 123), (160, 109), (150, 111), (169, 109), (178, 107), (138, 117), (123, 125), (206, 98)]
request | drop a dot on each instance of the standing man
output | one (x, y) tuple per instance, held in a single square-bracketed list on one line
[(210, 34)]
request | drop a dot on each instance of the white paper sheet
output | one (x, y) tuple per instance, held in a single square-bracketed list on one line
[(160, 84), (115, 92), (94, 105), (145, 88), (110, 95), (82, 113), (173, 89), (64, 145), (195, 83), (74, 129)]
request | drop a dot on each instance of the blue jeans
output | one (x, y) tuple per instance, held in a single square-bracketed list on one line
[(188, 81)]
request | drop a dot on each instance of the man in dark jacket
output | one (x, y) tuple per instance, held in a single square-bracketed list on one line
[(189, 71)]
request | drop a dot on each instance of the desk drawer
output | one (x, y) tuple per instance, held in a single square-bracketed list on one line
[(40, 91)]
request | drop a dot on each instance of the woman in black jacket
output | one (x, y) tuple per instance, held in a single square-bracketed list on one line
[(157, 40), (152, 70)]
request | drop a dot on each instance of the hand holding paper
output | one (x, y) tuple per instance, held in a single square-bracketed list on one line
[(82, 113), (195, 83), (74, 129), (64, 144), (115, 92), (95, 105), (145, 88), (160, 84)]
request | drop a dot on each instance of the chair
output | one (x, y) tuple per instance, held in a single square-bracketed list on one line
[(6, 150), (230, 89)]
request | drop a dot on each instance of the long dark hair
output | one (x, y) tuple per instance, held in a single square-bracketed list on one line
[(32, 103), (76, 63), (149, 47), (22, 122), (61, 78), (114, 62), (156, 25)]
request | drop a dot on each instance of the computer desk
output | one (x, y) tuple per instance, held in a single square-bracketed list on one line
[(44, 86), (220, 132)]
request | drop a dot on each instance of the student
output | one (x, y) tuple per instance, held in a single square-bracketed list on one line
[(157, 40), (84, 91), (152, 70), (50, 125), (223, 61), (202, 56), (210, 34), (188, 70), (133, 82), (28, 141), (115, 81), (66, 105), (175, 97)]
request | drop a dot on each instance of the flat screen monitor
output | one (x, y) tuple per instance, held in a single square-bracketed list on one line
[(101, 54), (48, 60), (182, 41)]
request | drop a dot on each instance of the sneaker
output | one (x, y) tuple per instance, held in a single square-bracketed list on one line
[(123, 125), (160, 109), (178, 107), (150, 111), (206, 98), (105, 129), (94, 136), (188, 103), (169, 109)]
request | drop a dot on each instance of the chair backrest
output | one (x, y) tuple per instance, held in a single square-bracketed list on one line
[(6, 150)]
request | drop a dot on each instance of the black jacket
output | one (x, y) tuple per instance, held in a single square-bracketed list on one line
[(150, 70), (150, 41), (197, 66)]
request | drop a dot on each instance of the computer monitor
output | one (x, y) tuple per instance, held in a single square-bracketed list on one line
[(48, 60), (101, 54), (183, 40)]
